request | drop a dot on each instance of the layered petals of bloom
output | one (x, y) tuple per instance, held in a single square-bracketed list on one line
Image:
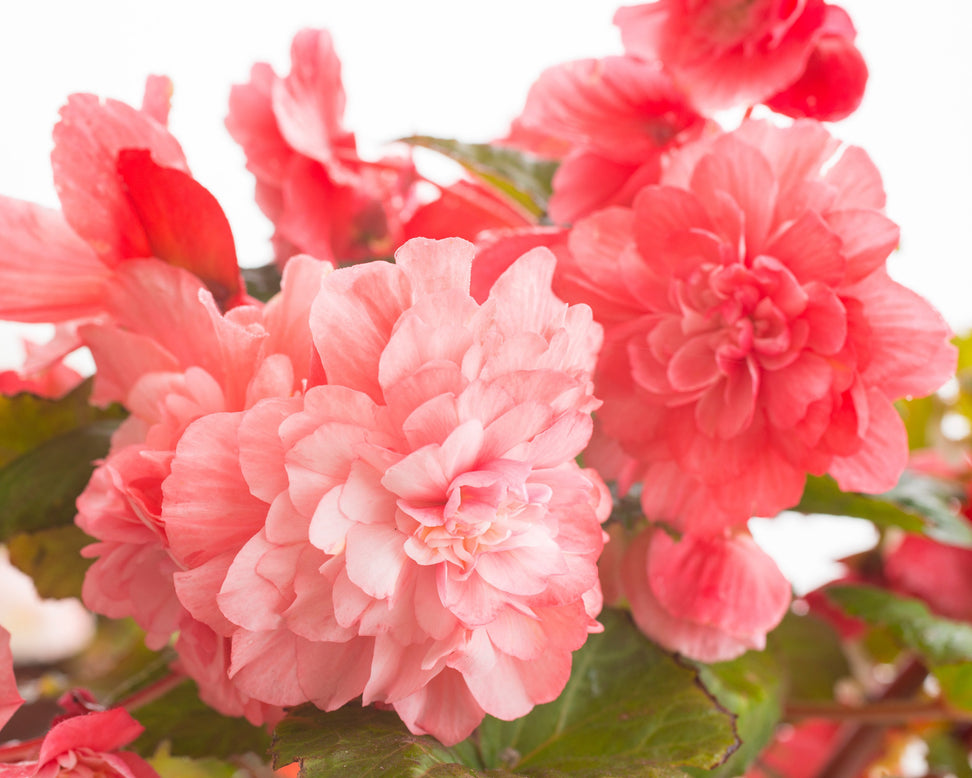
[(85, 746), (752, 333), (416, 531), (616, 116), (727, 53), (323, 198), (710, 598), (170, 356)]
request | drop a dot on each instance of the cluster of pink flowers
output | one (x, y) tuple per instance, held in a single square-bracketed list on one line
[(752, 334), (368, 486)]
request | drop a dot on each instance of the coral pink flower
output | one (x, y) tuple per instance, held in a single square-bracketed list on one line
[(170, 357), (711, 598), (617, 115), (752, 334), (321, 196), (727, 53), (87, 746), (417, 530), (10, 698)]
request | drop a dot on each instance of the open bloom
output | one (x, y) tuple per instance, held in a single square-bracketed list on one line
[(710, 597), (727, 53), (170, 356), (752, 334), (87, 746), (416, 531), (322, 197)]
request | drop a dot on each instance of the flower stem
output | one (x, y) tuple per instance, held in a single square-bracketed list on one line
[(152, 692)]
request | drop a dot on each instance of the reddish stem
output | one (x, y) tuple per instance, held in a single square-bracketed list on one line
[(152, 692)]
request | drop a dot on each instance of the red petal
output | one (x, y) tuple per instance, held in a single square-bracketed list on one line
[(183, 223), (86, 145)]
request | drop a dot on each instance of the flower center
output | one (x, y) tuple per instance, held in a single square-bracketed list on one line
[(484, 511)]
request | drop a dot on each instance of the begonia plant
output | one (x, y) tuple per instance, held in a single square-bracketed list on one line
[(460, 482)]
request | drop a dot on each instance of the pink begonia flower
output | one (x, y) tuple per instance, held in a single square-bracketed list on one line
[(710, 598), (617, 115), (10, 698), (87, 746), (727, 53), (125, 194), (321, 196), (752, 334), (416, 531), (169, 356)]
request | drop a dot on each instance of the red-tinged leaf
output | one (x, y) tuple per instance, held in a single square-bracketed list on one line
[(185, 225)]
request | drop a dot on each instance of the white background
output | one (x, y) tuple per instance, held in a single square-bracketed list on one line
[(462, 69)]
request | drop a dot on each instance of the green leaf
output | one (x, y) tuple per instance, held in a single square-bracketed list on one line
[(956, 683), (947, 755), (523, 178), (751, 688), (38, 489), (811, 655), (939, 640), (919, 504), (628, 709), (190, 728), (27, 420), (168, 766), (361, 742), (262, 282), (52, 558)]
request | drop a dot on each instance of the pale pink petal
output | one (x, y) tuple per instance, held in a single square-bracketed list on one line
[(230, 515), (309, 103), (910, 352), (366, 300), (48, 273), (444, 708), (883, 451), (157, 98), (724, 582), (436, 265)]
